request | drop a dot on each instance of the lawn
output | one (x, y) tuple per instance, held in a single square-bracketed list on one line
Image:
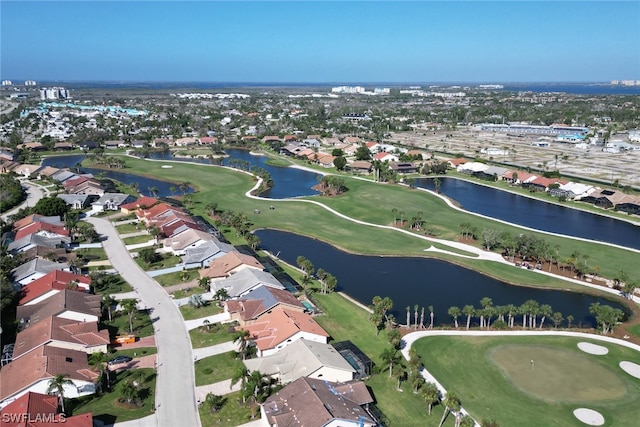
[(191, 313), (171, 279), (132, 352), (142, 326), (493, 378), (371, 202), (232, 414), (203, 338), (216, 368), (134, 240), (167, 260), (106, 408), (183, 293), (91, 254), (112, 284), (132, 227)]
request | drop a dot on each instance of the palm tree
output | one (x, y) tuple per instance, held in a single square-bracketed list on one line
[(394, 337), (56, 385), (205, 283), (129, 391), (391, 357), (415, 315), (242, 338), (545, 311), (408, 316), (468, 311), (400, 374), (430, 394), (99, 360), (466, 421), (130, 306), (108, 301), (240, 374), (451, 404), (214, 402), (454, 312), (394, 211), (431, 316)]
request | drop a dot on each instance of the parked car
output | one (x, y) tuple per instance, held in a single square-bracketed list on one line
[(119, 359)]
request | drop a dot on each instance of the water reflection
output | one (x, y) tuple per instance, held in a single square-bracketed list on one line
[(422, 281)]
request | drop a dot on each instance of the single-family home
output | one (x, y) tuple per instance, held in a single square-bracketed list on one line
[(40, 410), (304, 358), (190, 238), (244, 281), (35, 269), (37, 218), (403, 167), (67, 304), (359, 166), (26, 170), (259, 302), (280, 327), (229, 264), (78, 201), (200, 256), (62, 333), (112, 201), (50, 284), (33, 371), (312, 402)]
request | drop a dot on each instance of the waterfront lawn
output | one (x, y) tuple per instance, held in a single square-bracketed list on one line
[(201, 337), (464, 365), (233, 413), (216, 368), (634, 330), (119, 325), (106, 408), (191, 313)]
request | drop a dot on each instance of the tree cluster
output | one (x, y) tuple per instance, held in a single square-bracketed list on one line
[(11, 192)]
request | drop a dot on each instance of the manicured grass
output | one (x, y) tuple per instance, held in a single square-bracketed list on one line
[(233, 413), (114, 284), (167, 260), (371, 202), (132, 227), (279, 162), (635, 330), (216, 368), (171, 279), (556, 374), (190, 313), (119, 325), (91, 254), (183, 293), (466, 366), (134, 240), (203, 338), (106, 408)]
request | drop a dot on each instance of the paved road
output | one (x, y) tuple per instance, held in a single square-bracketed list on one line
[(175, 387), (34, 193)]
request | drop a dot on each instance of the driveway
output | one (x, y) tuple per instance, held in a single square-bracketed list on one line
[(175, 386)]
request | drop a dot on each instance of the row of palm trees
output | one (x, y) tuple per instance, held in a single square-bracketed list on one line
[(328, 282), (506, 315)]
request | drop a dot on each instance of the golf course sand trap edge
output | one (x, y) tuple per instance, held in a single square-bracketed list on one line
[(631, 368), (589, 416), (590, 348)]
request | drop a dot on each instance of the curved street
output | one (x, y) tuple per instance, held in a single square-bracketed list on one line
[(175, 384)]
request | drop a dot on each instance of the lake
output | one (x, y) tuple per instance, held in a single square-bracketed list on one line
[(409, 281)]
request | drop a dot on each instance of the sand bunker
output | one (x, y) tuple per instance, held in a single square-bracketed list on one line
[(598, 350), (631, 368), (166, 166), (589, 416)]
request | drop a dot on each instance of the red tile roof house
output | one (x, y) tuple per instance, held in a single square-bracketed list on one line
[(275, 330), (28, 220), (454, 163), (52, 283), (521, 177), (207, 140), (40, 410), (142, 202), (542, 184), (33, 371), (326, 160), (259, 302), (311, 402), (62, 333), (146, 215), (41, 226), (229, 264)]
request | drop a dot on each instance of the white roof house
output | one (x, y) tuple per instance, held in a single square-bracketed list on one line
[(304, 358)]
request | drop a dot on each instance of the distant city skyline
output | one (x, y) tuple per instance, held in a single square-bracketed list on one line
[(322, 42)]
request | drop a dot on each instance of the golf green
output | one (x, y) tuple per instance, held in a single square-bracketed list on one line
[(557, 374)]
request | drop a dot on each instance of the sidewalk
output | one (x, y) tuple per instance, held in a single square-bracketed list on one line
[(225, 347)]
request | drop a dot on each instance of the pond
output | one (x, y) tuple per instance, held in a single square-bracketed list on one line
[(426, 282), (536, 214)]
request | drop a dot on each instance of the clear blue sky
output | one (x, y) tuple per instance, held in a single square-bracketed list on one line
[(304, 41)]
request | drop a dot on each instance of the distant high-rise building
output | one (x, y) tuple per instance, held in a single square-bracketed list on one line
[(7, 83), (50, 93), (30, 83)]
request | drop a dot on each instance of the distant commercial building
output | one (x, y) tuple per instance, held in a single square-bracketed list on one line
[(572, 133), (360, 90), (50, 93)]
